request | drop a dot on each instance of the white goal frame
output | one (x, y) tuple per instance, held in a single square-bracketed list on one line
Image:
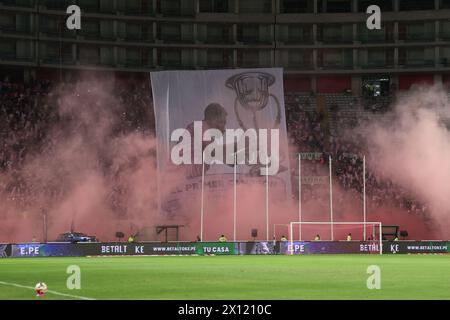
[(364, 224)]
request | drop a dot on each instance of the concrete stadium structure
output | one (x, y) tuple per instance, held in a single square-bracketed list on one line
[(323, 45)]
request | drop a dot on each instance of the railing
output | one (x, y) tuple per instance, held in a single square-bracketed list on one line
[(445, 35), (336, 39), (109, 62), (248, 64), (177, 66), (445, 62), (292, 40), (64, 58), (89, 34), (7, 56), (172, 64), (56, 4), (24, 59), (336, 65), (7, 28), (90, 60), (299, 65), (419, 37), (141, 36), (217, 65), (133, 11), (107, 10), (375, 38), (253, 40), (210, 8), (56, 33), (176, 12), (175, 39), (297, 10), (93, 7), (218, 39), (18, 3), (414, 63), (133, 62), (90, 7), (16, 29), (377, 64), (107, 36), (148, 63)]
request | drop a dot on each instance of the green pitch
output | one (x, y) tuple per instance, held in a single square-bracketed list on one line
[(231, 277)]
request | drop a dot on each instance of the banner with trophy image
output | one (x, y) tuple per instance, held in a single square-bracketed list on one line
[(206, 121)]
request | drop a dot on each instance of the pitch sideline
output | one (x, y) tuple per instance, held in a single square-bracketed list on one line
[(49, 291)]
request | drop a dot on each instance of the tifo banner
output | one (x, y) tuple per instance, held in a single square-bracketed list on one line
[(217, 118)]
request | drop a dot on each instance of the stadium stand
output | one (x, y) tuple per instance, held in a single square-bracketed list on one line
[(29, 110)]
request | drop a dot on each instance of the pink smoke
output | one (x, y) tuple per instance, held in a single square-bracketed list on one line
[(87, 175), (103, 181), (412, 147)]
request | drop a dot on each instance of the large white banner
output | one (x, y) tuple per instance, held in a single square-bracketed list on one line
[(248, 102)]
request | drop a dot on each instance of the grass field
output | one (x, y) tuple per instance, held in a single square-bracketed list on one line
[(231, 277)]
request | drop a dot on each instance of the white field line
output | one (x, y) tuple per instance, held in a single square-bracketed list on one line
[(49, 291)]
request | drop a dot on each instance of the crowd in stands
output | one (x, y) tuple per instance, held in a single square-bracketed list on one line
[(29, 111), (23, 118), (29, 116), (308, 133)]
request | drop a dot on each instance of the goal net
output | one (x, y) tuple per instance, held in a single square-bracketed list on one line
[(336, 231)]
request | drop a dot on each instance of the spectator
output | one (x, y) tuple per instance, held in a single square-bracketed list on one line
[(29, 112)]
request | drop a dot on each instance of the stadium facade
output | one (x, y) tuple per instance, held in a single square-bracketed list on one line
[(324, 46)]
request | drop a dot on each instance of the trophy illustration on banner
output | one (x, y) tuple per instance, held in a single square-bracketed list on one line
[(252, 90), (252, 95)]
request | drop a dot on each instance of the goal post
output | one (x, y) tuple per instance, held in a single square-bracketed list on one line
[(308, 230)]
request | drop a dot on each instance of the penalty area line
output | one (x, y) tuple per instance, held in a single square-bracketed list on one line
[(48, 291)]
